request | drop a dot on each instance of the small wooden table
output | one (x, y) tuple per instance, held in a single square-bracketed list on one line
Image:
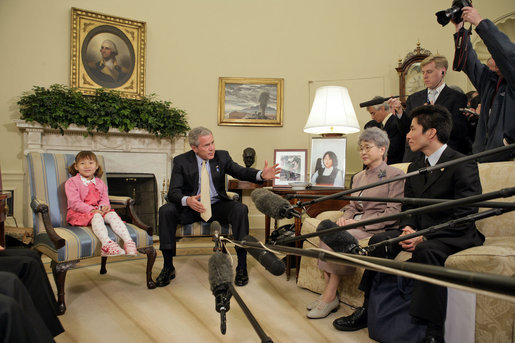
[(312, 211), (238, 186)]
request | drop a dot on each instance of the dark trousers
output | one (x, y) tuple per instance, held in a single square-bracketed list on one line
[(27, 266), (224, 211), (428, 302), (19, 319)]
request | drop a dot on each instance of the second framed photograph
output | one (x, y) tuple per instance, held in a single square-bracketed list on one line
[(250, 101), (328, 162), (293, 166)]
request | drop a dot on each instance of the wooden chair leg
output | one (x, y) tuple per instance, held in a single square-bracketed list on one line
[(103, 263), (59, 271), (151, 258)]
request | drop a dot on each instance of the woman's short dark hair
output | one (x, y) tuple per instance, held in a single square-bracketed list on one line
[(333, 157)]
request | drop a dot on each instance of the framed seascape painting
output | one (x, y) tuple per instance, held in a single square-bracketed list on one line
[(327, 165), (293, 164), (250, 101), (107, 52)]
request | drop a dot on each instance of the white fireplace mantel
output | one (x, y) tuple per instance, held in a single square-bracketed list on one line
[(136, 151)]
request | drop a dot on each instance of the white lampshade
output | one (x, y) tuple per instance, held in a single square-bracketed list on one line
[(332, 112)]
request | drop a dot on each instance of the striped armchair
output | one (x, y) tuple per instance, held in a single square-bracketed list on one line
[(203, 229), (67, 245)]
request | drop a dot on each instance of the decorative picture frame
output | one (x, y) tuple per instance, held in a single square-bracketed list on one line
[(293, 164), (250, 101), (94, 38), (335, 149)]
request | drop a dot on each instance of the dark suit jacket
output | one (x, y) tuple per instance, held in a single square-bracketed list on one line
[(455, 182), (453, 101), (185, 175), (397, 135)]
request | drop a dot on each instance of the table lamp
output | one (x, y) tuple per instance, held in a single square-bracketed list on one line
[(332, 113)]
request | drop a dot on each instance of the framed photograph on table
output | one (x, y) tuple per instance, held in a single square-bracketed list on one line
[(107, 52), (250, 101), (293, 164), (327, 166)]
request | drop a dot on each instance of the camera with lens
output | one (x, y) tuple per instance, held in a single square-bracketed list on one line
[(453, 13)]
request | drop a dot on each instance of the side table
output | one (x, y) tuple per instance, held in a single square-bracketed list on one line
[(312, 211), (238, 186)]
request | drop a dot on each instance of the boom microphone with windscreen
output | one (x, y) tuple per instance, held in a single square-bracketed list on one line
[(339, 241), (265, 258), (273, 205), (377, 101), (220, 279)]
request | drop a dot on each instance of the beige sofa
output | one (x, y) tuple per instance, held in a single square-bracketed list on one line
[(495, 319)]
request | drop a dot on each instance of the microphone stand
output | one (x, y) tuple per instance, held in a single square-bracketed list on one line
[(505, 192), (499, 286), (421, 171), (260, 332), (412, 201)]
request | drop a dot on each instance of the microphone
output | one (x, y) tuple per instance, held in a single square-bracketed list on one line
[(215, 230), (339, 241), (220, 279), (377, 101), (267, 259), (273, 205)]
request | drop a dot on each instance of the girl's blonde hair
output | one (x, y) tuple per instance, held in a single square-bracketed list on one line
[(85, 155)]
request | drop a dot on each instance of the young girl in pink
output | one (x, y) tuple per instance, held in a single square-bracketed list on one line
[(88, 204)]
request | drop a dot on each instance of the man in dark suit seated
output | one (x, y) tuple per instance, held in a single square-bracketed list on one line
[(26, 265), (437, 92), (187, 205), (429, 133), (386, 121), (19, 319)]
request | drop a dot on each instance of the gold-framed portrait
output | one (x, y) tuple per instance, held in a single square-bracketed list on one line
[(107, 52), (250, 101)]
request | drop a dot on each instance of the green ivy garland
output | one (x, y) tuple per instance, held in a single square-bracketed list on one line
[(59, 106)]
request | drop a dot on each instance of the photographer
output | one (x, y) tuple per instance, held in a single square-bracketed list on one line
[(495, 84)]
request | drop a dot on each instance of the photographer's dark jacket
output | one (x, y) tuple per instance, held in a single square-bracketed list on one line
[(497, 117)]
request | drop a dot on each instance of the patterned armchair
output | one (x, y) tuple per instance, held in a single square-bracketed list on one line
[(67, 245), (494, 318)]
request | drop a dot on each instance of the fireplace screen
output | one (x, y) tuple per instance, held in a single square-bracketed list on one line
[(140, 187)]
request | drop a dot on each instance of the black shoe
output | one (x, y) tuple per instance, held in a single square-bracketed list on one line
[(432, 339), (242, 278), (354, 322), (165, 276)]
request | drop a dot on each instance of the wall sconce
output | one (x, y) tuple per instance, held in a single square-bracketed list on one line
[(332, 113)]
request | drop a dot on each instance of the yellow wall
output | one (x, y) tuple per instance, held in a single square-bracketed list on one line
[(190, 44)]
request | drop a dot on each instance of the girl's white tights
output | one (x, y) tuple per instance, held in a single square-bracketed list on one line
[(111, 218)]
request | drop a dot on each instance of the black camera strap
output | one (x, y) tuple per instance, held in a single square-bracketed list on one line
[(461, 48)]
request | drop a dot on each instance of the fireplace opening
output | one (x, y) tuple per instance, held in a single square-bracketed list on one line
[(142, 187)]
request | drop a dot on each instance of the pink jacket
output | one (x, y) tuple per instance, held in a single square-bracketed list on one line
[(76, 192)]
